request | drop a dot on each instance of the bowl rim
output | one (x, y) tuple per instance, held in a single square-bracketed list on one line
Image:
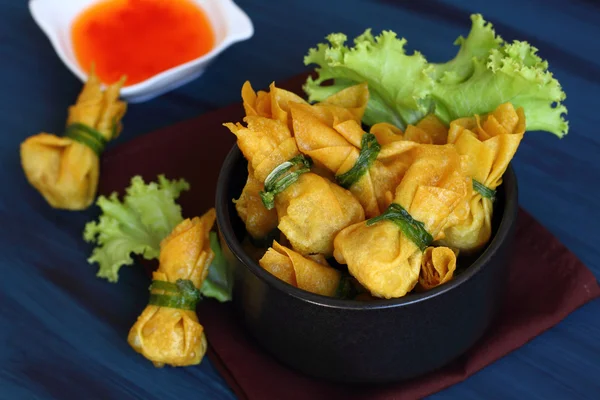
[(508, 219)]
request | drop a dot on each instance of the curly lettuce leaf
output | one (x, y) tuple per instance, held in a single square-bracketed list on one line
[(135, 225), (481, 40), (219, 282), (398, 83), (485, 73), (513, 73)]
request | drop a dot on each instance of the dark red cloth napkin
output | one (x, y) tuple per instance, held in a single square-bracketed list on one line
[(547, 281)]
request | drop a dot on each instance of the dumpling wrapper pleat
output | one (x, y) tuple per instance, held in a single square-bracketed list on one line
[(437, 267), (429, 130), (273, 104), (301, 272), (259, 221)]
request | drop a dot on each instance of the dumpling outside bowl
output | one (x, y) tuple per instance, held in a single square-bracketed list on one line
[(375, 341)]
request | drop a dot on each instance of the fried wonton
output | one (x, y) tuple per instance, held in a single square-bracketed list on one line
[(380, 255), (65, 169), (171, 334), (301, 272), (437, 267), (312, 210), (333, 137), (489, 144), (264, 142), (260, 222)]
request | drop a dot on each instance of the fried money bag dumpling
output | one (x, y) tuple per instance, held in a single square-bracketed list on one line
[(65, 169), (168, 331), (260, 222), (264, 143), (310, 209), (313, 210), (489, 144), (331, 134), (302, 272), (437, 267), (385, 253)]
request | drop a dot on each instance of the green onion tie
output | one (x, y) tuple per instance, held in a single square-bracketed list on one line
[(369, 149), (346, 289), (181, 294), (87, 136), (413, 229), (483, 190), (282, 177), (115, 129)]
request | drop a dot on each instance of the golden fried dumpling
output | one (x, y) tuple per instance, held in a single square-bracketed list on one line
[(333, 137), (437, 267), (65, 169), (265, 143), (259, 221), (489, 144), (370, 165), (312, 210), (316, 136), (385, 254), (302, 272), (168, 331)]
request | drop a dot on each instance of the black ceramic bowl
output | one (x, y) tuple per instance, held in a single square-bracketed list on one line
[(365, 341)]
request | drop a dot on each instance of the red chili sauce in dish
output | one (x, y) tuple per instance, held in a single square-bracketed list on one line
[(139, 38)]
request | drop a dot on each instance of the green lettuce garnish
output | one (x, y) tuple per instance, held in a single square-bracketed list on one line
[(486, 72), (219, 282), (398, 83), (137, 225), (481, 40), (512, 73)]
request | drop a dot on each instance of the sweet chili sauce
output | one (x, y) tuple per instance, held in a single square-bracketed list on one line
[(139, 38)]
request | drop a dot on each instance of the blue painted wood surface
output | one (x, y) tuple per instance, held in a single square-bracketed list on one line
[(62, 331)]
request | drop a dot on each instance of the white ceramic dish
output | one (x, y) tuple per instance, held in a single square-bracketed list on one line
[(229, 22)]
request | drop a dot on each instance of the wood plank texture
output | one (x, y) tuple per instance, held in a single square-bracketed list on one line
[(64, 331)]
